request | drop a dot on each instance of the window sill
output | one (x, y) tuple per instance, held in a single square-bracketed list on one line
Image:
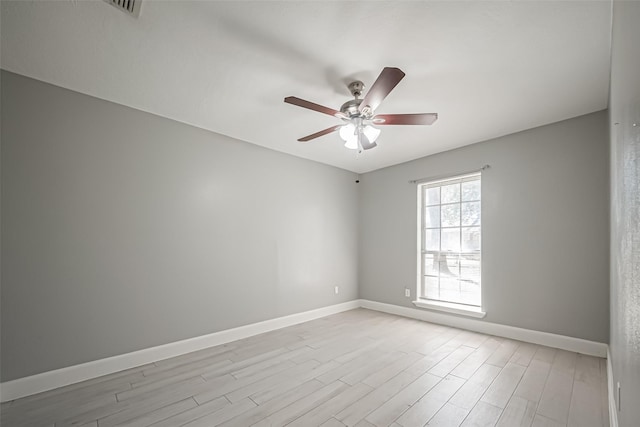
[(449, 307)]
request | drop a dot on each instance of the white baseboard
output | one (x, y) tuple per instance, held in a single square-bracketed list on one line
[(578, 345), (613, 409), (38, 383)]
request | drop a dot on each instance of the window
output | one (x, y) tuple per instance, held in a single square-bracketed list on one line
[(449, 248)]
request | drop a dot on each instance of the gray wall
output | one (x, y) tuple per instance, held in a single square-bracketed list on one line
[(123, 230), (625, 208), (545, 227)]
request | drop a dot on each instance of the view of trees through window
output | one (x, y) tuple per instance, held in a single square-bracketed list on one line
[(450, 252)]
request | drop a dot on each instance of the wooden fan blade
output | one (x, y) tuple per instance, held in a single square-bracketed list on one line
[(312, 106), (384, 84), (405, 119), (321, 133)]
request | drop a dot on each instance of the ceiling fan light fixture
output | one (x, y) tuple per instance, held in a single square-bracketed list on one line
[(349, 136), (371, 133), (347, 131), (352, 143)]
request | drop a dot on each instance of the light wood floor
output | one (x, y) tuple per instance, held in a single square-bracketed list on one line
[(360, 368)]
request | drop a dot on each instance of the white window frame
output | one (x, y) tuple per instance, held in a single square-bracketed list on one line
[(433, 304)]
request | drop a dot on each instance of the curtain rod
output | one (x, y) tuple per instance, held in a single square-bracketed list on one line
[(449, 175)]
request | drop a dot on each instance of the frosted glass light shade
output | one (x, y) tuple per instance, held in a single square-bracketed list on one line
[(349, 136), (371, 133), (347, 131)]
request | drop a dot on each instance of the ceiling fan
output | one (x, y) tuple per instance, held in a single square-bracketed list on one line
[(359, 115)]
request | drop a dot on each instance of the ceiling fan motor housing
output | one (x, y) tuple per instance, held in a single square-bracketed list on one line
[(350, 108)]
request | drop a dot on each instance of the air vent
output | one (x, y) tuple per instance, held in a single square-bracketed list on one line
[(130, 7)]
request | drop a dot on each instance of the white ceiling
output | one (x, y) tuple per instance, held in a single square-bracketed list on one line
[(488, 68)]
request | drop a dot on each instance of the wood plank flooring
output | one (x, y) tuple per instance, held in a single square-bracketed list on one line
[(357, 368)]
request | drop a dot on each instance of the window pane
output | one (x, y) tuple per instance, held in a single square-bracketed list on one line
[(432, 217), (451, 193), (451, 215), (471, 213), (451, 239), (450, 289), (449, 265), (470, 280), (431, 267), (470, 239), (470, 269), (432, 196), (471, 190), (432, 240), (469, 293), (431, 288)]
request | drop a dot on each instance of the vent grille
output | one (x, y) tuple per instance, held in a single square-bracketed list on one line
[(130, 7)]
